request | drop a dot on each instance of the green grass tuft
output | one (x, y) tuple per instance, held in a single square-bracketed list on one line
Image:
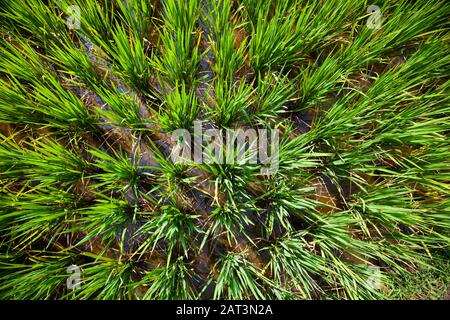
[(357, 208)]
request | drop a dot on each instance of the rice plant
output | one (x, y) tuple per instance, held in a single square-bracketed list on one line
[(94, 93)]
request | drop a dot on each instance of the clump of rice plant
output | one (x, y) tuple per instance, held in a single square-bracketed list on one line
[(92, 92)]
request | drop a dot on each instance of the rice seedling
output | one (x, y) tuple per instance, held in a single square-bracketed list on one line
[(227, 59), (180, 108), (179, 57), (174, 281), (349, 200)]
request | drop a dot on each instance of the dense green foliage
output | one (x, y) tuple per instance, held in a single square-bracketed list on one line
[(87, 112)]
